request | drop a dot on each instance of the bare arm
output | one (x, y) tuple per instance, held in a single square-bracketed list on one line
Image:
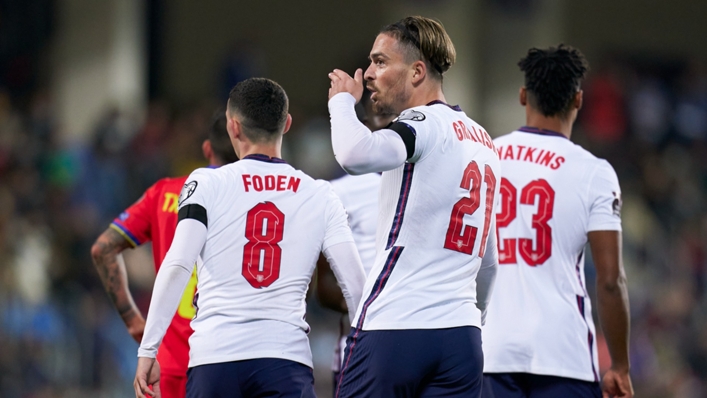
[(106, 254), (613, 308), (329, 293)]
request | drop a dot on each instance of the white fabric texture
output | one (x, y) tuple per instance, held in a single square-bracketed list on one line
[(486, 277), (359, 195), (540, 315), (427, 286), (356, 148), (171, 280), (267, 225), (346, 265)]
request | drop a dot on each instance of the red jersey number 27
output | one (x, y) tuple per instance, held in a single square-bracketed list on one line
[(262, 254), (460, 237)]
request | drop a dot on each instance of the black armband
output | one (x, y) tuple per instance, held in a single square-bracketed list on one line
[(407, 133), (195, 212)]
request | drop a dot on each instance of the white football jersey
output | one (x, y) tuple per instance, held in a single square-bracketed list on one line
[(436, 212), (553, 193), (359, 195), (267, 224)]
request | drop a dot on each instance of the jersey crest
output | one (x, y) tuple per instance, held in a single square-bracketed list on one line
[(187, 191), (411, 114)]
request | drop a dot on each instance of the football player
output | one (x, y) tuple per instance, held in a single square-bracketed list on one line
[(153, 218), (259, 225), (539, 338), (417, 331)]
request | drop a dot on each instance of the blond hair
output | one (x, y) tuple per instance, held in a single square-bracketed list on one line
[(424, 39)]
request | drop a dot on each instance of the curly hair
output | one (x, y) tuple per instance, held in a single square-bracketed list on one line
[(552, 78)]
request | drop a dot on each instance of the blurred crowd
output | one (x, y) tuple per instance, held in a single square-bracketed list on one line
[(59, 335), (648, 118)]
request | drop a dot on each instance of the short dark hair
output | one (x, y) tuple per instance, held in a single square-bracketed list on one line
[(220, 141), (552, 78), (424, 39), (262, 105)]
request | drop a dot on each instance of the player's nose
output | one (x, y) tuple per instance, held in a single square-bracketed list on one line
[(369, 74)]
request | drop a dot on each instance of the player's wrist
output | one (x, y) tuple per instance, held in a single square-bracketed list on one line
[(131, 316), (623, 368)]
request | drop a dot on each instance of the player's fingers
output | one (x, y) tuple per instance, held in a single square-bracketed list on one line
[(358, 76), (144, 389), (334, 77), (341, 74), (157, 390), (138, 389)]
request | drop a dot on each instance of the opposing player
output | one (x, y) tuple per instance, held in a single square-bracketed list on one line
[(539, 338), (259, 225), (359, 195), (416, 332), (153, 218)]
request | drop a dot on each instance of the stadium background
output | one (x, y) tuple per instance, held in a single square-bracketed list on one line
[(98, 99)]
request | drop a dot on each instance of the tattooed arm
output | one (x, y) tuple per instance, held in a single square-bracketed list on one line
[(107, 257)]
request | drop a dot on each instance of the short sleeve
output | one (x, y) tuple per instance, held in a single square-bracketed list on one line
[(422, 124), (197, 189), (337, 223), (135, 223), (604, 200)]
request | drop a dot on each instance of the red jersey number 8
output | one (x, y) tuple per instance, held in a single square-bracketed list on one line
[(533, 253), (262, 254)]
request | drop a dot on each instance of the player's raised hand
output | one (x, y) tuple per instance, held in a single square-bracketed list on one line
[(616, 384), (341, 82), (148, 373)]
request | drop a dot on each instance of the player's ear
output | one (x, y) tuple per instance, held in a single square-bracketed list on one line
[(207, 150), (288, 124), (419, 71), (578, 99), (234, 128), (523, 96)]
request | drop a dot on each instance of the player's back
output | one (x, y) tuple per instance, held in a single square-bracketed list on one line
[(433, 226), (553, 193), (267, 223)]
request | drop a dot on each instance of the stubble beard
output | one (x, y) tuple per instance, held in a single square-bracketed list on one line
[(392, 106)]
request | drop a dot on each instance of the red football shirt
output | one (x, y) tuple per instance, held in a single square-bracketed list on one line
[(154, 218)]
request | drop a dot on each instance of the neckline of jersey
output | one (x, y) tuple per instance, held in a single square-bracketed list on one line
[(535, 130), (452, 107), (263, 158)]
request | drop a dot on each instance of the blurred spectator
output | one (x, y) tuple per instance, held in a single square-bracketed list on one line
[(661, 168), (603, 115)]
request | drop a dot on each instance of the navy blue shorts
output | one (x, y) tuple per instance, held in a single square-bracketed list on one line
[(526, 385), (264, 377), (412, 363)]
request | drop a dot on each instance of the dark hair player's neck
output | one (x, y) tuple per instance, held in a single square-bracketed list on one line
[(537, 120)]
